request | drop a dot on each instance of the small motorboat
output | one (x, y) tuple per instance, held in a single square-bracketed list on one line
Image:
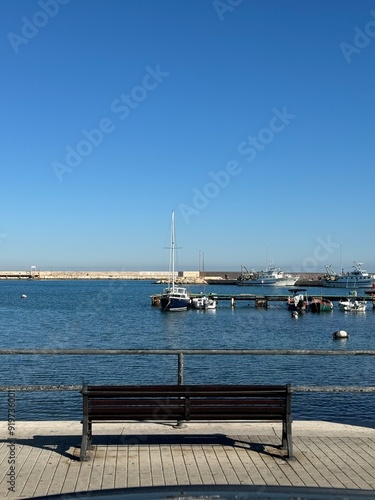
[(203, 302), (211, 303), (320, 304), (197, 302), (298, 301), (352, 305)]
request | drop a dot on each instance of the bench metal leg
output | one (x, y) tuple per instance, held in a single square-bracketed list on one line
[(181, 424), (86, 425), (287, 424), (89, 434), (86, 439), (287, 443), (83, 455)]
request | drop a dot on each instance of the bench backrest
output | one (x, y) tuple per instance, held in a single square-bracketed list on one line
[(187, 402)]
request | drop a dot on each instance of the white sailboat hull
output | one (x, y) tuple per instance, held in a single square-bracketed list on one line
[(175, 299)]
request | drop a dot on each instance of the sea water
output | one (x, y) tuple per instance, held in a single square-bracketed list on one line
[(117, 314)]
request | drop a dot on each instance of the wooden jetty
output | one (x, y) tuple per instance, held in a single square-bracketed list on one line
[(263, 300)]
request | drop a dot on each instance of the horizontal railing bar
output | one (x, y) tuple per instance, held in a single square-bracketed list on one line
[(332, 388), (253, 352), (39, 388), (296, 388)]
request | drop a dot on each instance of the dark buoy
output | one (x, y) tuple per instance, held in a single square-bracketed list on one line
[(340, 334), (295, 314)]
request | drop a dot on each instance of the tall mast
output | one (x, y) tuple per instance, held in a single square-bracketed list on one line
[(172, 248)]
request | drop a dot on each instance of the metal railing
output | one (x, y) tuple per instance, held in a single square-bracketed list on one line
[(180, 354)]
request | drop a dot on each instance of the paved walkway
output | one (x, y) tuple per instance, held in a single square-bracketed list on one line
[(46, 455)]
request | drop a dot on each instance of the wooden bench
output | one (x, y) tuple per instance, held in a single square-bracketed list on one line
[(185, 403)]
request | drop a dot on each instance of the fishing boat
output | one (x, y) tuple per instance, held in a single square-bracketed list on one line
[(174, 298), (357, 278), (271, 277)]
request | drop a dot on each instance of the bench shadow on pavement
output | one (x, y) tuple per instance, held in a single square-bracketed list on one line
[(69, 446), (57, 444)]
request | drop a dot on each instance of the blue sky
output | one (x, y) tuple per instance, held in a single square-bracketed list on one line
[(252, 120)]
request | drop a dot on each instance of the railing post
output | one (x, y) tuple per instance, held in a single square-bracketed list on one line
[(180, 423), (180, 368)]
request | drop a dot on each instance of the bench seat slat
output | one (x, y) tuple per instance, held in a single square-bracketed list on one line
[(196, 387), (275, 410), (137, 402), (195, 396), (204, 417), (164, 391), (192, 402)]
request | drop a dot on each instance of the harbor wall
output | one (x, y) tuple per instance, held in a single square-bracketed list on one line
[(61, 275), (306, 279)]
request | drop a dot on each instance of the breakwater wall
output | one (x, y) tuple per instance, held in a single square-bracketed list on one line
[(84, 275), (306, 279)]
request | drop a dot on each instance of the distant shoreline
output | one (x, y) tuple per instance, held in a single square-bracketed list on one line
[(190, 277)]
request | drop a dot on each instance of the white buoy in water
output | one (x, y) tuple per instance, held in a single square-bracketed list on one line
[(295, 314), (23, 296), (340, 334)]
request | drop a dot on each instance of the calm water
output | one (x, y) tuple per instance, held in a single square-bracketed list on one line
[(118, 314)]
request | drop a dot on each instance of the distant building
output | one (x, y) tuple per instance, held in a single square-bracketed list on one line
[(188, 274)]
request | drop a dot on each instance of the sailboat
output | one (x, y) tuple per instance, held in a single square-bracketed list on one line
[(174, 298)]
